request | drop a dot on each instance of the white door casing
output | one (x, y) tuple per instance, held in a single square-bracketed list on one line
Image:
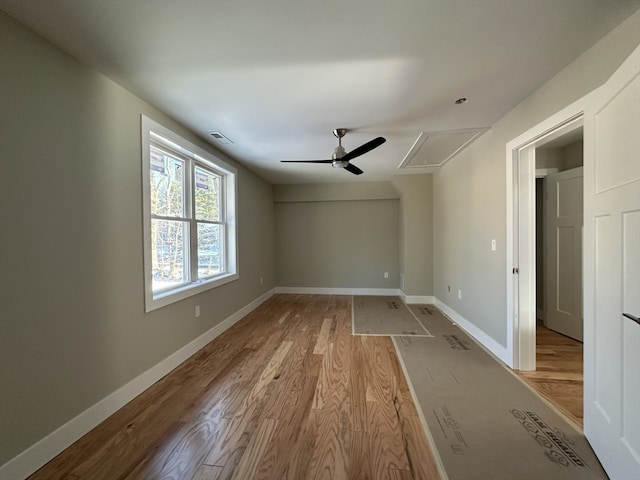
[(521, 242), (612, 271), (563, 259)]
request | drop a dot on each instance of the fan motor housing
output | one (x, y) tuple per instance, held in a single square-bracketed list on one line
[(339, 163), (339, 152)]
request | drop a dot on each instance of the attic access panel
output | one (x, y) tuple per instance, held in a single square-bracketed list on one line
[(434, 149)]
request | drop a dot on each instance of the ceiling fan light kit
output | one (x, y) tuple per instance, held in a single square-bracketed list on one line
[(340, 158)]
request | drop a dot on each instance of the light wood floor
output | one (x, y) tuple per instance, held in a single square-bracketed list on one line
[(287, 393), (559, 372)]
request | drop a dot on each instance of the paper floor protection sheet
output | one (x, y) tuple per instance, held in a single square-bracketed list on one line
[(387, 316), (485, 423)]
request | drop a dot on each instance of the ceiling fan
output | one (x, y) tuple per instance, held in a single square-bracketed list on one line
[(340, 158)]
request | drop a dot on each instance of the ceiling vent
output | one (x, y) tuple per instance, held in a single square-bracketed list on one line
[(435, 149), (220, 138)]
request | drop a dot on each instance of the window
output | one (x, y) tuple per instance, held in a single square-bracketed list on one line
[(189, 204)]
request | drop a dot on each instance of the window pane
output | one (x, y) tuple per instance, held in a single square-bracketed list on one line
[(168, 256), (167, 184), (210, 248), (207, 193)]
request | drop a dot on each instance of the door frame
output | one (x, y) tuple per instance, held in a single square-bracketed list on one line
[(520, 235)]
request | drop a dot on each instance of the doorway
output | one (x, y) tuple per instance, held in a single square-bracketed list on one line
[(547, 216), (559, 224), (559, 374), (557, 132)]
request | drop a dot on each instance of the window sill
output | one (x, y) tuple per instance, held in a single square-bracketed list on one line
[(162, 299)]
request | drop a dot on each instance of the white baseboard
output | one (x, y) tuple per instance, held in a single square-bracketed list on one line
[(417, 299), (393, 292), (339, 291), (30, 460), (481, 337)]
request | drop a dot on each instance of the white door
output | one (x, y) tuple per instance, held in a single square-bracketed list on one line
[(612, 272), (563, 261)]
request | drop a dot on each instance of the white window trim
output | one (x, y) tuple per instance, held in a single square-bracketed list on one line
[(161, 299)]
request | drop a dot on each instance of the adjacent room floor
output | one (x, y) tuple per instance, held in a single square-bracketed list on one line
[(559, 372)]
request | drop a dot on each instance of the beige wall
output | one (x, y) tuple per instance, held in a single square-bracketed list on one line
[(470, 190), (377, 234), (337, 235), (73, 327), (562, 158), (334, 192), (416, 233)]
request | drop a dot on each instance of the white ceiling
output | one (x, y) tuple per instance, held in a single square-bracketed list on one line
[(278, 76)]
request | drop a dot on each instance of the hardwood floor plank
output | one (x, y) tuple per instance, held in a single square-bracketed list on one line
[(128, 448), (286, 393), (232, 441), (180, 456), (255, 375), (323, 337), (422, 463), (323, 388), (339, 361), (386, 445), (289, 439), (395, 474), (219, 390), (119, 457), (329, 459), (299, 460), (207, 472), (292, 383), (255, 450), (381, 379), (559, 372), (284, 316), (402, 399), (236, 436), (271, 370), (359, 379), (359, 457)]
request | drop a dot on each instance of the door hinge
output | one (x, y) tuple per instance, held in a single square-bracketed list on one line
[(516, 270)]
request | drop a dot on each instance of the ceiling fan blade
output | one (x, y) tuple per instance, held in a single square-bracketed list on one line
[(353, 169), (306, 161), (362, 149)]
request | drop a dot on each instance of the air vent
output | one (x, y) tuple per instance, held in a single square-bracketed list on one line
[(220, 137)]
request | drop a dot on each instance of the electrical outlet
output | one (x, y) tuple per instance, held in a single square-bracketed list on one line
[(197, 311), (459, 293), (260, 280), (493, 245), (386, 274)]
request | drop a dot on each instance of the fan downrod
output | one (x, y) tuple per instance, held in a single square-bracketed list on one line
[(339, 152)]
